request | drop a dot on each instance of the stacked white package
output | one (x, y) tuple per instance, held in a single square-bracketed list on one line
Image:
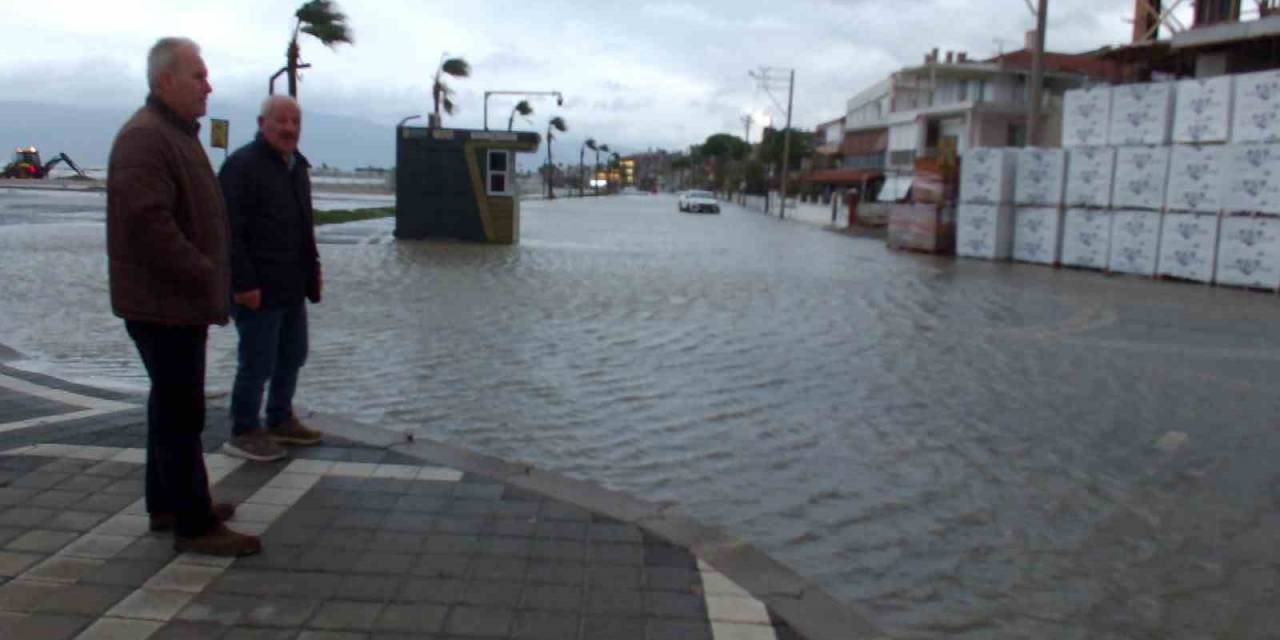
[(1253, 178), (1090, 171), (1086, 237), (1141, 176), (1041, 177), (986, 176), (1141, 114), (984, 230), (1197, 176), (1086, 116), (1257, 107), (1203, 110), (1249, 252), (1037, 232), (1187, 245), (1135, 240)]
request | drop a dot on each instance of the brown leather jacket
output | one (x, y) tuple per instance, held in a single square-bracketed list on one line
[(167, 231)]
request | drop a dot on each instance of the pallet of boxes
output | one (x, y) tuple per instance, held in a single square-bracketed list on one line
[(1171, 179), (927, 223)]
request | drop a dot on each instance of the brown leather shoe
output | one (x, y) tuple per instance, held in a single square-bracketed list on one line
[(220, 541), (165, 521), (292, 431)]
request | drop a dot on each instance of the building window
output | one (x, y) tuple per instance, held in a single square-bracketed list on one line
[(499, 165)]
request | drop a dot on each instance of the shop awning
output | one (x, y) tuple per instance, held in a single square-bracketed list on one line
[(841, 176)]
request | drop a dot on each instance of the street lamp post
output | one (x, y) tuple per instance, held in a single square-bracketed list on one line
[(406, 119), (557, 94), (589, 143)]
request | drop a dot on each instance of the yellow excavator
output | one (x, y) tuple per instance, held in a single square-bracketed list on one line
[(26, 164)]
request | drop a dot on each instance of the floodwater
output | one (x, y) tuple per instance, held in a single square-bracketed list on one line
[(963, 449)]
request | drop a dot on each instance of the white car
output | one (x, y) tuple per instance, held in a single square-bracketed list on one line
[(698, 201)]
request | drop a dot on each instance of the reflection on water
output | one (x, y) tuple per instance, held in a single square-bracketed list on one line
[(966, 449)]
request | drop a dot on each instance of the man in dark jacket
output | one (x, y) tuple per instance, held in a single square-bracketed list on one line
[(275, 268), (169, 276)]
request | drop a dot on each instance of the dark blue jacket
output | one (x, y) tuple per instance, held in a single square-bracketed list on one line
[(273, 241)]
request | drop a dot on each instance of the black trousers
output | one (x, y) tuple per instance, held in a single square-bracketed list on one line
[(177, 482)]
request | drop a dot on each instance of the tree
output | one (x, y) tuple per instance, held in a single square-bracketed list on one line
[(555, 124), (319, 18), (441, 93), (589, 143), (605, 149), (522, 108), (771, 147), (722, 149)]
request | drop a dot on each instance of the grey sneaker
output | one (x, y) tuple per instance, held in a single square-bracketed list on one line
[(256, 446)]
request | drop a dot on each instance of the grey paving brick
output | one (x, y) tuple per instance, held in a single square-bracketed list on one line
[(221, 608), (47, 626), (671, 579), (422, 503), (67, 465), (506, 594), (325, 559), (360, 519), (542, 625), (25, 517), (561, 530), (57, 498), (452, 544), (554, 510), (310, 517), (9, 533), (10, 496), (490, 568), (438, 590), (397, 542), (84, 599), (348, 539), (514, 527), (345, 615), (13, 563), (667, 604), (615, 533), (555, 572), (613, 628), (111, 469), (149, 548), (615, 602), (40, 480), (85, 484), (415, 618), (125, 573), (668, 556), (552, 597), (105, 502), (383, 563), (441, 566), (310, 585), (459, 525), (432, 488), (408, 521), (250, 633), (479, 621), (505, 546), (559, 550), (479, 491), (43, 541), (126, 487), (281, 612), (78, 521), (275, 555), (183, 630), (615, 553), (470, 507), (378, 500), (613, 577), (678, 630), (369, 588), (23, 596), (249, 582), (332, 635)]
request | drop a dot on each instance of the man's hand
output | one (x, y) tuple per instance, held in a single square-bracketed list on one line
[(249, 299)]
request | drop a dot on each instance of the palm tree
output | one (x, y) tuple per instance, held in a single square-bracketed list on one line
[(589, 144), (319, 18), (555, 124), (604, 148), (615, 162), (523, 108), (441, 93)]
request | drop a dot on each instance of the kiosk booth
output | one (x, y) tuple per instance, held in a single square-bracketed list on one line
[(459, 183)]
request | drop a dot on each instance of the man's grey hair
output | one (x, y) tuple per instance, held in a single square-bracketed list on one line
[(271, 101), (163, 56)]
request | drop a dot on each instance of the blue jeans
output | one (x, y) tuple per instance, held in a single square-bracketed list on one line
[(273, 348)]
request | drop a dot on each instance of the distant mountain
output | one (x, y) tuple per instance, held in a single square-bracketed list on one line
[(86, 133)]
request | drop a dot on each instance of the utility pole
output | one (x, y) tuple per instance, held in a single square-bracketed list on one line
[(1037, 75), (746, 126), (768, 79)]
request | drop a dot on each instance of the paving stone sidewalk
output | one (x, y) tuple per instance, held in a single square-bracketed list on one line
[(362, 540)]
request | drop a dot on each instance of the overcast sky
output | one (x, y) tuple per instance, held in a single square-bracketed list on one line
[(637, 75)]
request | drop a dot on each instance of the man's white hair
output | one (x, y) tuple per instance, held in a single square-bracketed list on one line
[(163, 56), (270, 103)]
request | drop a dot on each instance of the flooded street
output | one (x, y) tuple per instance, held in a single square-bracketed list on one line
[(964, 449)]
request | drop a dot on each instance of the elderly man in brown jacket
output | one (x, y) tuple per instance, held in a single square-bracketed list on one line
[(169, 267)]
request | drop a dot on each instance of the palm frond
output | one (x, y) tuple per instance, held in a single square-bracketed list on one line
[(322, 19), (604, 148), (524, 108), (449, 106), (330, 35), (590, 144), (558, 124), (456, 67)]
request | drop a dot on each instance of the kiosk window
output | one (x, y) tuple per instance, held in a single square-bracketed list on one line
[(499, 173)]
